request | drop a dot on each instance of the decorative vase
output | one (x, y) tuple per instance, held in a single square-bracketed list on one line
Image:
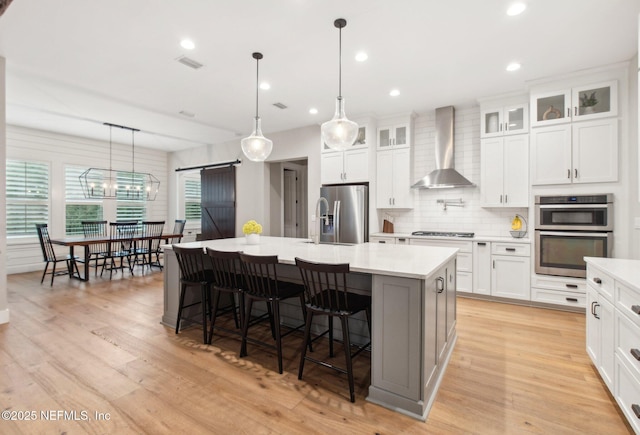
[(252, 239), (588, 110)]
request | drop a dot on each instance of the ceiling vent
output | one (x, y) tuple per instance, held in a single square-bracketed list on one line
[(189, 62), (280, 105)]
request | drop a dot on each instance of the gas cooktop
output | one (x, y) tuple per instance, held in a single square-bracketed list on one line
[(442, 234)]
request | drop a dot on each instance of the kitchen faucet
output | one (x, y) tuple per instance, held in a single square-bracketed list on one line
[(319, 216)]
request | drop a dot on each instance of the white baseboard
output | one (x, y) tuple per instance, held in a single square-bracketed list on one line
[(4, 316)]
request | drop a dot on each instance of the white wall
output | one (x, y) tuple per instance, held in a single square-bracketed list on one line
[(23, 253)]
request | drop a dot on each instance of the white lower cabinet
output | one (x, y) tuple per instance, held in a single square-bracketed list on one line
[(556, 290), (482, 268), (510, 268), (464, 273), (390, 240), (613, 330)]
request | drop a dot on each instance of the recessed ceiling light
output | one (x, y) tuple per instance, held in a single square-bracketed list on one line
[(187, 44), (394, 92), (513, 66), (362, 56), (265, 86), (516, 9), (313, 111)]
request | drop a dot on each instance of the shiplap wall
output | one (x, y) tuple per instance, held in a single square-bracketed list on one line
[(24, 253), (427, 214)]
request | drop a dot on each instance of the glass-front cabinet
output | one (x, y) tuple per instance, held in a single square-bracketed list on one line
[(393, 136), (575, 104), (505, 120)]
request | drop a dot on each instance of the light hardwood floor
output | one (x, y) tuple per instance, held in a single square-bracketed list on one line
[(98, 347)]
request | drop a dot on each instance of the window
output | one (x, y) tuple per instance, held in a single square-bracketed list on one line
[(192, 209), (131, 204), (27, 196), (77, 207)]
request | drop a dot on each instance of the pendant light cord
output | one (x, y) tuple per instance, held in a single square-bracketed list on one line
[(340, 63), (257, 84)]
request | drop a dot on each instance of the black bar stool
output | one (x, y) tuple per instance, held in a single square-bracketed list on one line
[(262, 284), (326, 295), (228, 279)]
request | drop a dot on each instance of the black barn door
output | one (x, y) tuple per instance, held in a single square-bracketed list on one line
[(218, 200)]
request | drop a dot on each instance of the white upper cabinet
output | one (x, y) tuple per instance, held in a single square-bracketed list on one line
[(575, 104), (394, 136), (504, 120), (394, 179), (350, 166), (504, 171)]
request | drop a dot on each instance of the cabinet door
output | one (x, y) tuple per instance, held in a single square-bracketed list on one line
[(593, 326), (482, 268), (595, 101), (451, 302), (516, 171), (384, 185), (607, 341), (331, 168), (401, 135), (491, 168), (595, 151), (510, 277), (550, 108), (402, 194), (441, 312), (551, 155), (491, 122), (356, 165), (385, 137), (516, 119)]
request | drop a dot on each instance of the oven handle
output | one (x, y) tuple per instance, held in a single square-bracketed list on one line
[(574, 233), (572, 206)]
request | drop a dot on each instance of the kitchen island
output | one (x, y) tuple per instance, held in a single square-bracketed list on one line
[(413, 292)]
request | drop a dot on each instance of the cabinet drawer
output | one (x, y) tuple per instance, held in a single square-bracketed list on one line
[(627, 393), (462, 246), (382, 239), (519, 249), (628, 302), (558, 297), (602, 282), (627, 336), (576, 285), (464, 280), (465, 262)]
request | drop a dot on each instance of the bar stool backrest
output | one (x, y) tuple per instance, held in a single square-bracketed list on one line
[(195, 267), (260, 274), (325, 284), (227, 269)]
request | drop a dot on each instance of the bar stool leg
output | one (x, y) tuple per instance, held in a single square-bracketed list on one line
[(307, 339), (347, 355)]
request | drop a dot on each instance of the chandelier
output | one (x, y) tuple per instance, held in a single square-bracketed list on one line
[(100, 183)]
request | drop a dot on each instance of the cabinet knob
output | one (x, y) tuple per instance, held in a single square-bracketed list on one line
[(440, 284), (635, 353), (635, 309), (571, 285), (482, 244), (571, 299), (575, 110), (597, 280), (636, 410), (510, 249), (568, 112), (568, 173), (575, 173)]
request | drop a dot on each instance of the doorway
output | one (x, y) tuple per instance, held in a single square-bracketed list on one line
[(288, 199)]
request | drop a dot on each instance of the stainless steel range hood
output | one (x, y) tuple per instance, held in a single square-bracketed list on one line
[(444, 175)]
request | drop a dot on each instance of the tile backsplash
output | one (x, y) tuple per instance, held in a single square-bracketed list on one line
[(427, 214)]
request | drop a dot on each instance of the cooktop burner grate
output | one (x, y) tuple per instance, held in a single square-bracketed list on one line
[(442, 234)]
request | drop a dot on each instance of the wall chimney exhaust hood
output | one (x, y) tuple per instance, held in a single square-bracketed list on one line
[(444, 175)]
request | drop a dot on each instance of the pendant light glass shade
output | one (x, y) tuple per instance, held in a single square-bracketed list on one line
[(257, 147), (339, 133)]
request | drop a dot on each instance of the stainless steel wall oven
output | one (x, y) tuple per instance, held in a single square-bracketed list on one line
[(569, 228)]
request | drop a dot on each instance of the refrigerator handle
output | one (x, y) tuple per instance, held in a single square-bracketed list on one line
[(336, 222)]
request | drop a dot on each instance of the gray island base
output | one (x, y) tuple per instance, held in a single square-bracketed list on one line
[(413, 292)]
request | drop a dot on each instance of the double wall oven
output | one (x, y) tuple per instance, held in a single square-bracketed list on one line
[(569, 228)]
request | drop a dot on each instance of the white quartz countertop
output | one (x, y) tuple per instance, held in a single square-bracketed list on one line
[(406, 261), (475, 238), (624, 270)]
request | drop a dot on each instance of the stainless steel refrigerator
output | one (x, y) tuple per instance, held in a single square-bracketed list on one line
[(346, 219)]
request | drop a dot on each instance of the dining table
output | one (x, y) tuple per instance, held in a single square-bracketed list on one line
[(85, 242)]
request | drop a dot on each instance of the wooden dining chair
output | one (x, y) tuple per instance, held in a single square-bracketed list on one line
[(50, 257), (149, 246), (119, 247), (97, 251), (326, 295), (262, 284)]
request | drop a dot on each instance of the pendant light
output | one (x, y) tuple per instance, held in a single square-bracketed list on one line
[(339, 133), (257, 147)]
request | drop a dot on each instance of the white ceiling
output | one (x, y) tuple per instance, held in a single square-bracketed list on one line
[(74, 64)]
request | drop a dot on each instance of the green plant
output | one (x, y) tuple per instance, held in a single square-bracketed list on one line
[(588, 101)]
